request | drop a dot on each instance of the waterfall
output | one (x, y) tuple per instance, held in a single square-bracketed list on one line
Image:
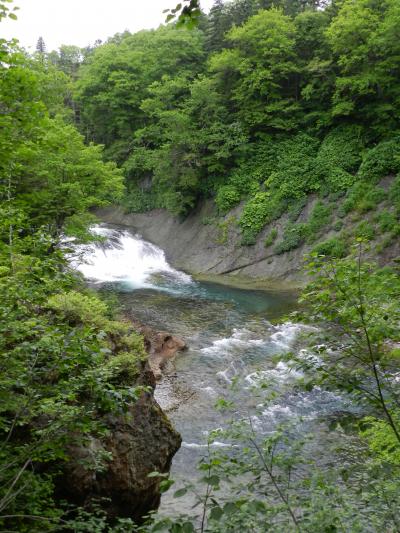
[(128, 259)]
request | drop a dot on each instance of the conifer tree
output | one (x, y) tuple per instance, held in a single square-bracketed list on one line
[(41, 46)]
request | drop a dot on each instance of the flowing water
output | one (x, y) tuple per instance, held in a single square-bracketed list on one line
[(231, 334)]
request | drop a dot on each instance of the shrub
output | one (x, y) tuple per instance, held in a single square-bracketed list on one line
[(394, 193), (260, 161), (271, 237), (387, 220), (244, 180), (362, 197), (341, 149), (296, 208), (334, 247), (338, 179), (139, 201), (381, 161), (319, 218), (223, 227), (294, 175), (259, 211), (338, 225), (77, 307), (227, 197), (248, 238), (338, 159), (293, 237), (365, 230), (124, 368)]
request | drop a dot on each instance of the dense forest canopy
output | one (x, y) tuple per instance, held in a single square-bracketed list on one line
[(260, 104)]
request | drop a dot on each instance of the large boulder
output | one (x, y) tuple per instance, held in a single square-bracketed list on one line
[(140, 441), (161, 347)]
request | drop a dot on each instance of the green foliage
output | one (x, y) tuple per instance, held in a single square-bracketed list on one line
[(296, 208), (223, 227), (342, 148), (56, 383), (355, 296), (394, 193), (138, 201), (263, 62), (362, 37), (319, 218), (381, 440), (77, 307), (55, 340), (335, 248), (339, 157), (259, 211), (362, 197), (381, 161), (281, 99), (294, 173), (124, 368), (365, 230), (293, 236), (271, 238), (387, 220), (227, 197), (291, 101)]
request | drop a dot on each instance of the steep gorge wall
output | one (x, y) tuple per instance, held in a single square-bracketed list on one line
[(214, 248), (206, 245), (199, 247)]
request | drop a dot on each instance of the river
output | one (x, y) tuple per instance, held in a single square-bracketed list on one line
[(233, 336)]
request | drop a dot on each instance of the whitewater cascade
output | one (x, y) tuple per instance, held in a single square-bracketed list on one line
[(126, 258)]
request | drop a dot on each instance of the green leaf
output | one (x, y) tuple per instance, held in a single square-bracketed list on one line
[(216, 513), (180, 492)]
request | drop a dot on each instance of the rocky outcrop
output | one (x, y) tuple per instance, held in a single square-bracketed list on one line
[(139, 441), (200, 247), (162, 348), (209, 245)]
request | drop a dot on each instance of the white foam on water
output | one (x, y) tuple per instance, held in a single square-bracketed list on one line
[(308, 356), (209, 391), (126, 258), (240, 339), (228, 374), (285, 335), (215, 444), (277, 410), (282, 372)]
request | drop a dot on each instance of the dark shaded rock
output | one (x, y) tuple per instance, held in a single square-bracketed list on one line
[(140, 441)]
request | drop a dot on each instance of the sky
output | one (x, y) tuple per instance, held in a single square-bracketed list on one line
[(81, 22)]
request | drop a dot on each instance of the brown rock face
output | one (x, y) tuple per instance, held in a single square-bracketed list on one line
[(140, 441), (162, 347)]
